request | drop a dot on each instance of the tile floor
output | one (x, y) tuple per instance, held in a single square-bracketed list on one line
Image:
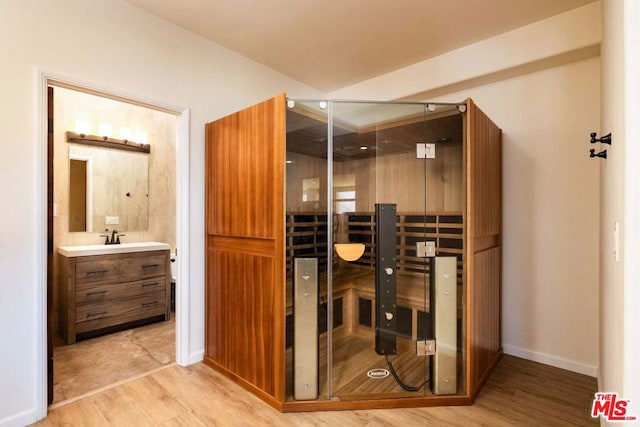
[(98, 362)]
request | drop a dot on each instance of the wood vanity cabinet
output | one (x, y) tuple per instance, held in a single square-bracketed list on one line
[(100, 293)]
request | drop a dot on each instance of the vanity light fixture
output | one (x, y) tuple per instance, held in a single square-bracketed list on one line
[(364, 147), (107, 142)]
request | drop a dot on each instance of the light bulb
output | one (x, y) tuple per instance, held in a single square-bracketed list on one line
[(141, 137), (126, 133), (82, 127), (104, 129)]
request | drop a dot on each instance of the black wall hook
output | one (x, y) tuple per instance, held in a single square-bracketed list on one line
[(604, 139), (602, 154)]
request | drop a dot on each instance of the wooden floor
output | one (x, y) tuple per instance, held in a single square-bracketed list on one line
[(353, 357), (518, 393)]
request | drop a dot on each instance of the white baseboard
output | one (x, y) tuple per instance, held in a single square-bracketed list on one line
[(548, 359), (21, 419), (196, 357)]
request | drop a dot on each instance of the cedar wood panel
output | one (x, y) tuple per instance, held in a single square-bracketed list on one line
[(483, 253), (244, 293)]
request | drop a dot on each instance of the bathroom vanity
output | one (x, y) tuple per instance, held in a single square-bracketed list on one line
[(104, 288)]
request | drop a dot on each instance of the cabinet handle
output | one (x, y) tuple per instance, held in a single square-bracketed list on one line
[(96, 293), (95, 272), (144, 285), (149, 304), (150, 265), (96, 314)]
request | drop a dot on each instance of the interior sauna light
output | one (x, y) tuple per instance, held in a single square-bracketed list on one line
[(349, 251)]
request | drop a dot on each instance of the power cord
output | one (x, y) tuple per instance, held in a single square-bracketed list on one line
[(399, 381)]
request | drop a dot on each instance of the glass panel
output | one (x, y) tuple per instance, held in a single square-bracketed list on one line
[(307, 239), (398, 200), (384, 183), (375, 167)]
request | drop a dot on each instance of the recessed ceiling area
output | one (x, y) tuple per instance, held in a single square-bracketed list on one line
[(307, 134), (329, 45)]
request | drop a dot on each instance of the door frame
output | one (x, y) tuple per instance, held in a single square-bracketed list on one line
[(45, 78)]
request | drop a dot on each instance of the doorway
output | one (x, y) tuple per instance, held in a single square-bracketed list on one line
[(179, 222)]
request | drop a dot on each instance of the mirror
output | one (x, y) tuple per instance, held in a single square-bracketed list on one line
[(108, 189)]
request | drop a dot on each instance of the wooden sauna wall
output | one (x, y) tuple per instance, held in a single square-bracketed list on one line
[(244, 292), (395, 178), (398, 176), (305, 167), (484, 249)]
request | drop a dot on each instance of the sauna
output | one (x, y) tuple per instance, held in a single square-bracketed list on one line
[(353, 252)]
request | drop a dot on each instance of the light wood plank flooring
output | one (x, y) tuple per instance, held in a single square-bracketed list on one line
[(519, 393)]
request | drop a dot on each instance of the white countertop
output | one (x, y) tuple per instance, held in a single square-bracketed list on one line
[(122, 248)]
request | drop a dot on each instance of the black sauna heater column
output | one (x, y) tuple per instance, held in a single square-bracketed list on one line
[(386, 307)]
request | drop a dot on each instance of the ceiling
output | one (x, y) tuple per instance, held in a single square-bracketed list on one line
[(331, 44), (307, 132)]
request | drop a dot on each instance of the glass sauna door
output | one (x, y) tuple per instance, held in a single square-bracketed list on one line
[(307, 254), (374, 205)]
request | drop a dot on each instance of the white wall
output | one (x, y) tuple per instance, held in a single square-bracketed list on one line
[(631, 374), (612, 198), (540, 84), (620, 201), (550, 211), (111, 44)]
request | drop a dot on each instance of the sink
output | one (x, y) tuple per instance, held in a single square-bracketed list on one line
[(122, 248)]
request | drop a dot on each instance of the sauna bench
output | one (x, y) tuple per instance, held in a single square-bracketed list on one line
[(352, 284), (102, 293)]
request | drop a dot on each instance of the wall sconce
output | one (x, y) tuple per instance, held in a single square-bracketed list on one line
[(349, 251), (106, 142)]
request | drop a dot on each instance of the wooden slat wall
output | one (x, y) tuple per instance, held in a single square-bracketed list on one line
[(245, 293), (246, 172), (378, 180), (483, 251), (486, 339)]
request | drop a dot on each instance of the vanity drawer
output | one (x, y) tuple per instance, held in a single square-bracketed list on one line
[(90, 292), (91, 271), (108, 313), (142, 267)]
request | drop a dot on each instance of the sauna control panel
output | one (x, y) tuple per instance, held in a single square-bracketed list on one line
[(386, 278)]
